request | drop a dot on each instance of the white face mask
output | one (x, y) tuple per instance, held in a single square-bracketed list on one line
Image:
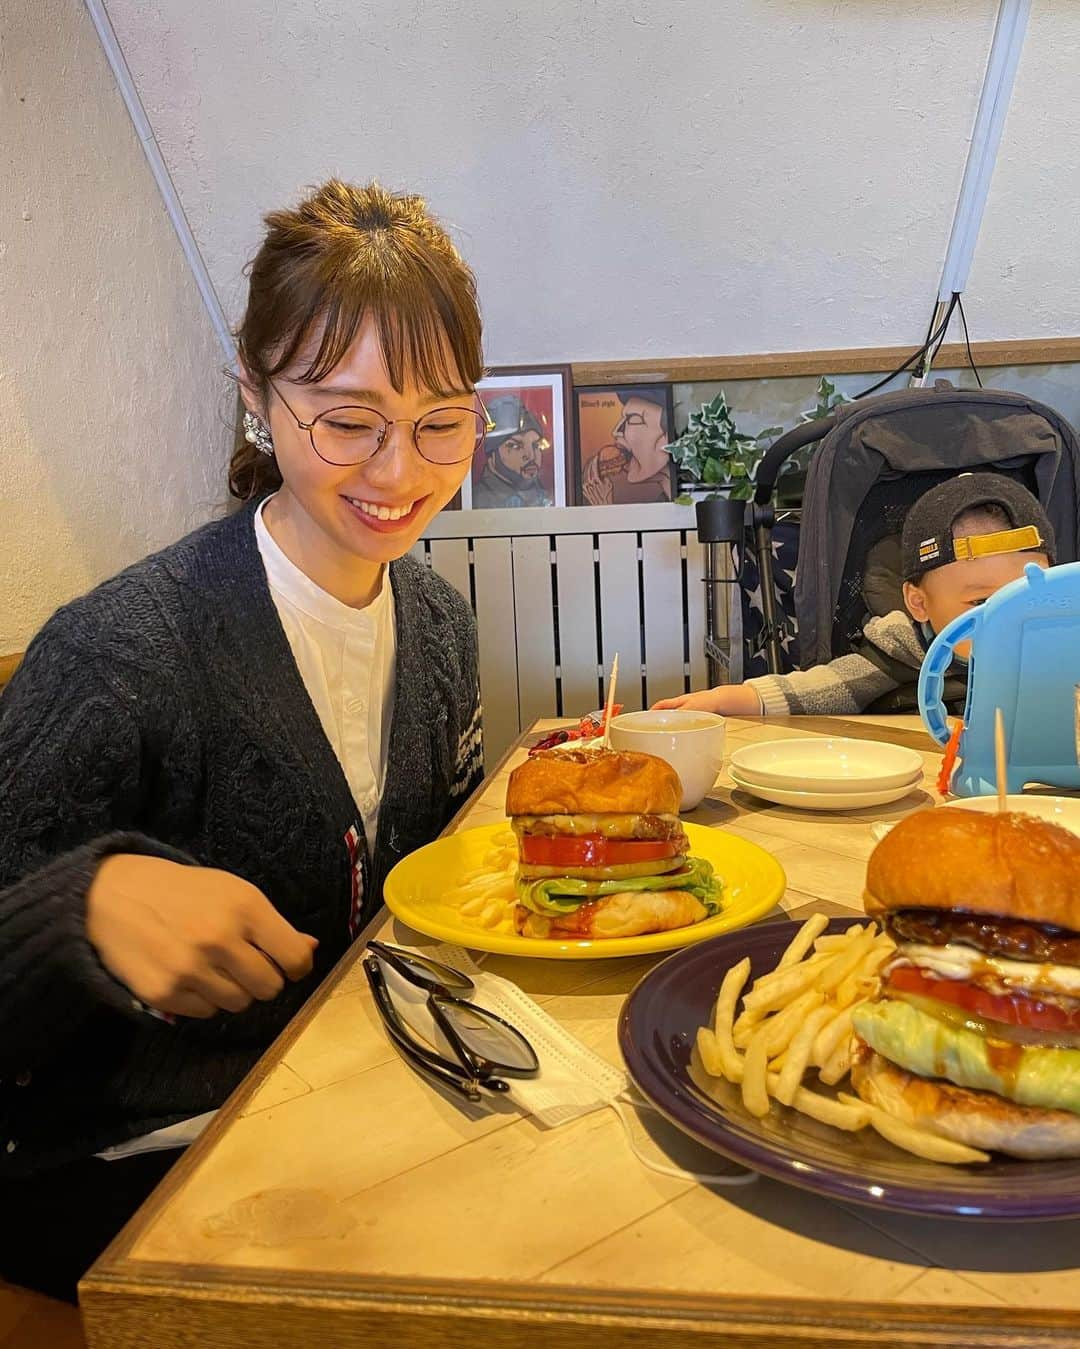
[(573, 1081)]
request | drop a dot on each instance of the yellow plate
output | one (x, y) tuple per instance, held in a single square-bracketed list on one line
[(417, 892)]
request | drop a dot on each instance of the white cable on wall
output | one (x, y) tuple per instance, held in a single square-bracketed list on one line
[(159, 169)]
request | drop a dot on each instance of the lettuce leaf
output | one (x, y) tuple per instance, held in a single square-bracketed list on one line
[(922, 1044), (564, 894)]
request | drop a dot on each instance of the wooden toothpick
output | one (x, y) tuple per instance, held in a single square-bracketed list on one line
[(1000, 760), (610, 700)]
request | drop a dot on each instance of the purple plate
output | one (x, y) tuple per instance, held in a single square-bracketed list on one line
[(656, 1035)]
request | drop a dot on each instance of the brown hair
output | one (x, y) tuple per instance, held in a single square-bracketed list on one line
[(344, 253), (986, 518)]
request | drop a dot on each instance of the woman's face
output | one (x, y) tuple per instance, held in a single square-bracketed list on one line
[(374, 511)]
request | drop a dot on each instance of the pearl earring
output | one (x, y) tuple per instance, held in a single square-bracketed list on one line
[(257, 433)]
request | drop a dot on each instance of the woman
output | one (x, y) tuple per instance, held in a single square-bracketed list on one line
[(209, 764)]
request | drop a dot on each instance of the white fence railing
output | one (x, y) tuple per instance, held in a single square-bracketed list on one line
[(558, 591)]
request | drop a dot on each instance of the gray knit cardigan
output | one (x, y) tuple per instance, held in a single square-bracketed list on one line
[(163, 713)]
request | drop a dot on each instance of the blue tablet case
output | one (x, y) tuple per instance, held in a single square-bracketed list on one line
[(1025, 659)]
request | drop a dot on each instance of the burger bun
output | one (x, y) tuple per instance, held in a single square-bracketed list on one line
[(593, 782), (1009, 865), (980, 1119)]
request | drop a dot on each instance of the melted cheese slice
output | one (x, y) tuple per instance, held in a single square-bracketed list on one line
[(608, 826), (964, 962)]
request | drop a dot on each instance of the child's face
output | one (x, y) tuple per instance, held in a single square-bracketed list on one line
[(947, 592)]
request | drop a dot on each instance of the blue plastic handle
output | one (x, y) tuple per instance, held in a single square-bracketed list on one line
[(932, 675)]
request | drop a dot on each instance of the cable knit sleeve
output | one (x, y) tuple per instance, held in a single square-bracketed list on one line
[(469, 770), (71, 761)]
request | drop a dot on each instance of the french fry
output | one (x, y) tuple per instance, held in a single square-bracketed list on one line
[(830, 1035), (709, 1053), (837, 1064), (922, 1143), (745, 1028), (846, 960), (801, 943), (755, 1093), (786, 985), (783, 978), (730, 988), (782, 1027), (846, 1113), (798, 1054), (796, 1016)]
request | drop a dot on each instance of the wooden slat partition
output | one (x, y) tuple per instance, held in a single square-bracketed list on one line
[(620, 615), (534, 628), (546, 641), (695, 611), (664, 622), (496, 627), (579, 640)]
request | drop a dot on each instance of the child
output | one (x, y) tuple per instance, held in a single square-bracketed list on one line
[(962, 541), (209, 763)]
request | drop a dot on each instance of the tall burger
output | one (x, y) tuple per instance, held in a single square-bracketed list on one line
[(602, 852), (976, 1033)]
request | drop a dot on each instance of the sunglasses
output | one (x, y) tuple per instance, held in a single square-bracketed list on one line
[(486, 1048)]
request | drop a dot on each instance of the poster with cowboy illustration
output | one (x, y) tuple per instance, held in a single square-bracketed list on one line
[(524, 457)]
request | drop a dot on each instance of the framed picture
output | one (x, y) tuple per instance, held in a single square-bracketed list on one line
[(523, 460), (621, 434)]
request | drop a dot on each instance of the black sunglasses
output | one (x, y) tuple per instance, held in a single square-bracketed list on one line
[(487, 1049)]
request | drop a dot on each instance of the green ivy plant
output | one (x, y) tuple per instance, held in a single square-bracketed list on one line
[(713, 452)]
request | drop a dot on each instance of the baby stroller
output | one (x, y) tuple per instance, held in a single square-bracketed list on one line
[(818, 580)]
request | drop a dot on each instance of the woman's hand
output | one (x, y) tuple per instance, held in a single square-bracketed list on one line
[(191, 941), (730, 700)]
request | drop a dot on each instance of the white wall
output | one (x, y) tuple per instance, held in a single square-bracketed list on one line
[(637, 177), (113, 430)]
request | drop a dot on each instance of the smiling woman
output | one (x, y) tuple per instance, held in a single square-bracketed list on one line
[(209, 764)]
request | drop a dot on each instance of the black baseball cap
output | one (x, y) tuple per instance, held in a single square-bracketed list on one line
[(928, 541)]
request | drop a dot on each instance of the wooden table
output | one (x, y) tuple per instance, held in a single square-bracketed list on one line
[(338, 1199)]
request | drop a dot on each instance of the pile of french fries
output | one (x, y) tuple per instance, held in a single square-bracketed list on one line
[(485, 895), (797, 1017)]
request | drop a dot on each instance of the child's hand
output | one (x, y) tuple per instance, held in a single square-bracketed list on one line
[(729, 700)]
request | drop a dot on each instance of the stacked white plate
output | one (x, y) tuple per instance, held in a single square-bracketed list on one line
[(821, 774)]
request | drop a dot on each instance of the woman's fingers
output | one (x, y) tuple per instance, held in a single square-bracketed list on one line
[(249, 968), (292, 951)]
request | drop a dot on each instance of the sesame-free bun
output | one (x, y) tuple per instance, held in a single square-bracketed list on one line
[(981, 1119), (1009, 865), (593, 782)]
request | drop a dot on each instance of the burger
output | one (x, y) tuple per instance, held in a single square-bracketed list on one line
[(611, 461), (976, 1032), (601, 849)]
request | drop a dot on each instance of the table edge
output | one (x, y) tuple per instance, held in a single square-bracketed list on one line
[(606, 1314)]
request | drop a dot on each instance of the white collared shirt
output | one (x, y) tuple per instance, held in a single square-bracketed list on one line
[(346, 658)]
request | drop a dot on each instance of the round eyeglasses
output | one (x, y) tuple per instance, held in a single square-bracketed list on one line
[(349, 435)]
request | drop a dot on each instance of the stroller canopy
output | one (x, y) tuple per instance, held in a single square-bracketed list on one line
[(938, 432)]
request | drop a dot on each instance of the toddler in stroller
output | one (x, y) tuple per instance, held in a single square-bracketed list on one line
[(962, 541), (863, 610)]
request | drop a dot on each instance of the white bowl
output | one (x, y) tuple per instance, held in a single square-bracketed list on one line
[(823, 765), (691, 742), (1063, 810), (823, 800)]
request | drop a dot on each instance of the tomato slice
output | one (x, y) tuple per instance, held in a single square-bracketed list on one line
[(1011, 1009), (591, 850)]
